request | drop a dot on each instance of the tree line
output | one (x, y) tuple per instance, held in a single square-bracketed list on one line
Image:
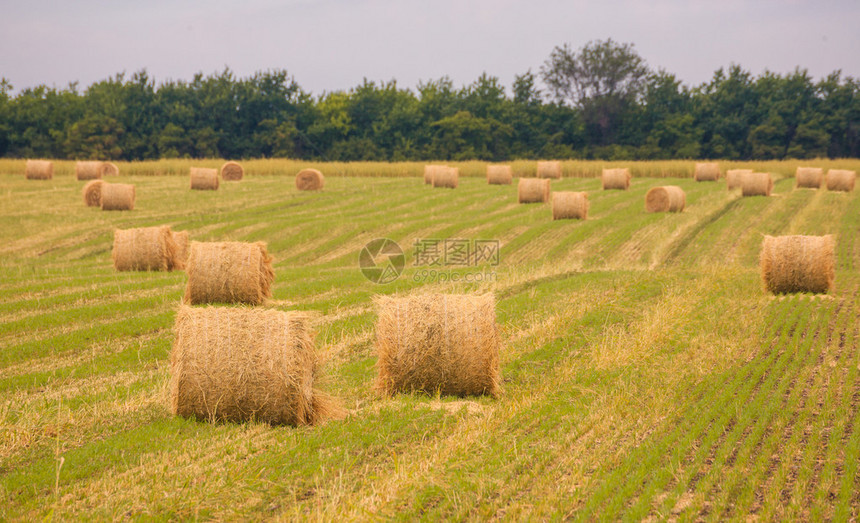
[(601, 101)]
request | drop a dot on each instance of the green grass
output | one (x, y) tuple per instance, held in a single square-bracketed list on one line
[(646, 374)]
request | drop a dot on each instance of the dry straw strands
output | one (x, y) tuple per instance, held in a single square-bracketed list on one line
[(110, 169), (707, 172), (549, 169), (203, 179), (733, 177), (809, 177), (89, 170), (232, 171), (144, 249), (117, 197), (615, 179), (756, 184), (840, 180), (228, 272), (180, 241), (438, 343), (797, 263), (430, 171), (533, 190), (499, 174), (309, 180), (92, 193), (243, 364), (448, 177), (667, 198), (569, 205), (39, 170)]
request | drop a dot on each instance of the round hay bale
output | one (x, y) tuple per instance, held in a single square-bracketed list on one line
[(448, 177), (89, 170), (441, 343), (733, 177), (117, 197), (180, 241), (797, 263), (143, 249), (707, 172), (39, 170), (756, 184), (232, 171), (667, 198), (93, 193), (430, 171), (840, 180), (203, 179), (499, 174), (310, 180), (615, 179), (808, 177), (228, 272), (242, 364), (549, 169), (110, 169), (533, 190), (569, 205)]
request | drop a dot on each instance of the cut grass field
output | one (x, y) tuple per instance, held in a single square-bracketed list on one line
[(645, 373)]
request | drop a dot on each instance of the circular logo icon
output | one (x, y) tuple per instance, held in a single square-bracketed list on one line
[(381, 260)]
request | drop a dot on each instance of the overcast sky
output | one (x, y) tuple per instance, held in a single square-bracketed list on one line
[(333, 44)]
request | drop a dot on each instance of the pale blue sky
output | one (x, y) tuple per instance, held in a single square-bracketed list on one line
[(333, 44)]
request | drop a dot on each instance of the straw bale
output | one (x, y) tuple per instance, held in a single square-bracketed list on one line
[(39, 170), (92, 193), (203, 179), (615, 179), (707, 172), (448, 177), (840, 180), (797, 263), (499, 174), (228, 272), (310, 180), (809, 177), (533, 190), (756, 184), (110, 169), (569, 204), (549, 169), (143, 249), (430, 171), (117, 197), (232, 171), (180, 241), (89, 170), (438, 343), (238, 364), (733, 177), (667, 198)]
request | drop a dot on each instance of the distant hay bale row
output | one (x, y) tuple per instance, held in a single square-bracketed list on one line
[(809, 177), (569, 205), (499, 175), (615, 179), (241, 364), (438, 343), (797, 263), (448, 177), (149, 249), (549, 169), (840, 180), (232, 172), (707, 172), (733, 177), (92, 193), (667, 198), (533, 190), (228, 272), (117, 197), (756, 184), (203, 179), (309, 180), (39, 170)]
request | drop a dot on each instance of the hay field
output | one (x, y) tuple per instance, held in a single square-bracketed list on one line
[(645, 372)]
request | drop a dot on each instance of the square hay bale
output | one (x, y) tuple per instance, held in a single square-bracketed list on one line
[(443, 343), (549, 169), (117, 197), (39, 170), (797, 263), (228, 272), (667, 198), (808, 177), (499, 175), (615, 179), (533, 190), (242, 364), (203, 179), (707, 172), (144, 249), (569, 205)]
